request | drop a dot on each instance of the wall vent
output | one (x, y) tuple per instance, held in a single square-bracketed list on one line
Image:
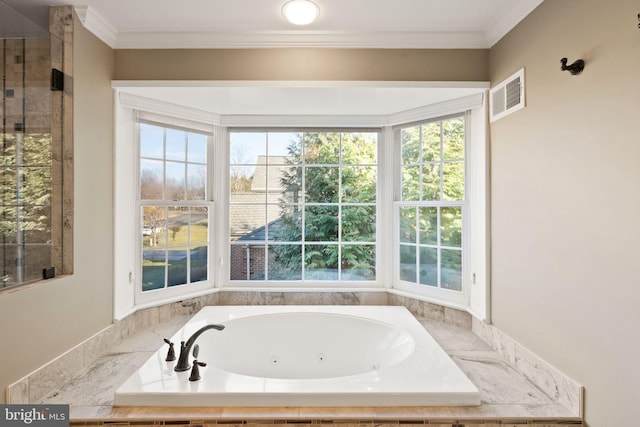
[(507, 96)]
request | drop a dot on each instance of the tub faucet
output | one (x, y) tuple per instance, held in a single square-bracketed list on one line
[(185, 347)]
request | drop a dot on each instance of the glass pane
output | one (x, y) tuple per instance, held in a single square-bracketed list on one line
[(177, 268), (238, 262), (410, 145), (35, 259), (408, 224), (284, 148), (451, 226), (359, 184), (321, 262), (197, 148), (453, 186), (36, 150), (429, 226), (245, 147), (199, 225), (453, 139), (411, 183), (259, 181), (240, 179), (247, 262), (153, 269), (256, 262), (321, 223), (285, 262), (35, 223), (177, 226), (273, 213), (176, 145), (408, 263), (358, 262), (35, 186), (359, 223), (451, 270), (196, 184), (151, 179), (9, 221), (359, 148), (151, 141), (175, 185), (431, 142), (291, 185), (199, 264), (429, 266), (154, 224), (8, 185), (247, 222), (321, 148), (321, 184), (431, 181), (288, 227)]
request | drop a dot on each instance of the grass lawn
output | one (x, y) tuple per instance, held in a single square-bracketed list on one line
[(199, 234)]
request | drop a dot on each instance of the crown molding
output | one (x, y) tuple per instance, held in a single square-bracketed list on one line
[(508, 19), (171, 39), (98, 25)]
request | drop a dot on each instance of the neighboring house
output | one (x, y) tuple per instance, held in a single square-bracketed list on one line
[(250, 257), (250, 213)]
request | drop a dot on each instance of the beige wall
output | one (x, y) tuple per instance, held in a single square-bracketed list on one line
[(566, 199), (44, 320), (303, 64)]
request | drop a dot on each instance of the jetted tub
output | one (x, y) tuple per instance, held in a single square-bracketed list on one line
[(304, 356)]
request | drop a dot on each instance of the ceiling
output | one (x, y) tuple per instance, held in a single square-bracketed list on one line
[(259, 23)]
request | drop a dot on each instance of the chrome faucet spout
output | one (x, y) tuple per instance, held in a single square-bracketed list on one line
[(185, 347)]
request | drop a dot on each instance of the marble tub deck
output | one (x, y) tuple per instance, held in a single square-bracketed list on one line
[(506, 395)]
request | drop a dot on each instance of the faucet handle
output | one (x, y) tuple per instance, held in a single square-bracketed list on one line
[(171, 354), (195, 371)]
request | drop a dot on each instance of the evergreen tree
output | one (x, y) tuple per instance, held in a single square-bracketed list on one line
[(338, 168)]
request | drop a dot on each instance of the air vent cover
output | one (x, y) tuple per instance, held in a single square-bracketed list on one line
[(507, 96)]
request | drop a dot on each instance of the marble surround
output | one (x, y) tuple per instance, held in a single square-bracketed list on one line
[(553, 382), (517, 387)]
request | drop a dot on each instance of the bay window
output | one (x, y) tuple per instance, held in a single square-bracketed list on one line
[(400, 207)]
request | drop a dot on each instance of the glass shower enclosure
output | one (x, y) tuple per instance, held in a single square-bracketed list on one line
[(27, 134)]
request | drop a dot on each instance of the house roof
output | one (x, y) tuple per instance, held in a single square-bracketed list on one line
[(268, 179)]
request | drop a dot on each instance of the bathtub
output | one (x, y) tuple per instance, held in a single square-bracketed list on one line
[(304, 356)]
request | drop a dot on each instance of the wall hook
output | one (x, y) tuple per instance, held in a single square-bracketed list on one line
[(575, 68)]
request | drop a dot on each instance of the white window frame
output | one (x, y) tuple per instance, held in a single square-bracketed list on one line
[(305, 283), (445, 296), (170, 293), (126, 224)]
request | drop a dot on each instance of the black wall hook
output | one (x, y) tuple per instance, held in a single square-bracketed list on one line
[(575, 68)]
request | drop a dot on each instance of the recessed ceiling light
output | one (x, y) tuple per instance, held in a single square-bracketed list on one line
[(300, 12)]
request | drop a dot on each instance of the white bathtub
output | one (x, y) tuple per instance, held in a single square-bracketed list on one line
[(304, 356)]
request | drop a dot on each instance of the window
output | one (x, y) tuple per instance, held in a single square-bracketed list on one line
[(390, 203), (303, 206), (432, 204), (174, 210)]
